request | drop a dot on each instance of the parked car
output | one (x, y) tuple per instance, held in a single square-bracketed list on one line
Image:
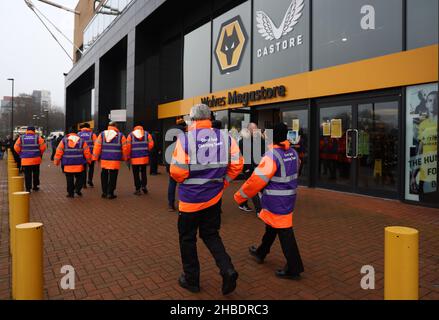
[(54, 134)]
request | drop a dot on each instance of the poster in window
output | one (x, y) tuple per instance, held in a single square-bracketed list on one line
[(421, 143), (326, 126), (336, 128), (296, 124)]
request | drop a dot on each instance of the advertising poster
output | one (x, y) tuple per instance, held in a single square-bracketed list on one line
[(421, 143)]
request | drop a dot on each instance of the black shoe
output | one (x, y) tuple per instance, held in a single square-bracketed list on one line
[(229, 281), (171, 208), (29, 190), (79, 193), (245, 208), (287, 275), (84, 186), (138, 193), (35, 188), (90, 184), (112, 196), (70, 195), (104, 195), (253, 252), (145, 191), (184, 284)]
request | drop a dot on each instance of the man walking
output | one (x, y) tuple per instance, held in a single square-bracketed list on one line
[(139, 144), (201, 165), (73, 153), (276, 176), (252, 146), (172, 184), (54, 145), (111, 148), (30, 147), (89, 137)]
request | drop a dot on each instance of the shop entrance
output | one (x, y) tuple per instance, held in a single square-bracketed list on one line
[(359, 146)]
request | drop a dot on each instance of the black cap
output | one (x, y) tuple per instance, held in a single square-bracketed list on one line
[(280, 133), (30, 128)]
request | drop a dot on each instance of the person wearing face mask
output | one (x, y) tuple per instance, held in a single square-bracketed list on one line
[(276, 177)]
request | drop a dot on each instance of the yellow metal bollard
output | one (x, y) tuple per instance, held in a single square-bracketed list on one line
[(28, 257), (16, 184), (11, 160), (401, 263), (12, 172), (20, 215)]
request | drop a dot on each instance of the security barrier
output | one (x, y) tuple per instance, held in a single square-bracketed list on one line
[(28, 260), (401, 263)]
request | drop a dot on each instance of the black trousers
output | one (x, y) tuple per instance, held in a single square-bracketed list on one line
[(153, 162), (90, 169), (172, 186), (288, 244), (32, 176), (139, 173), (108, 181), (208, 222), (74, 182)]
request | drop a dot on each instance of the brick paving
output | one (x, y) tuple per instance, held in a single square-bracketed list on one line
[(127, 248)]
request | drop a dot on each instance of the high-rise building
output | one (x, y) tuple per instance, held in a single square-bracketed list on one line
[(42, 100), (5, 105)]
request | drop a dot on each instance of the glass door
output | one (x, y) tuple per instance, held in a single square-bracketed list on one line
[(378, 147), (335, 160), (359, 147)]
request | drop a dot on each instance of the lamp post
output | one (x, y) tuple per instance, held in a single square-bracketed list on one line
[(12, 108)]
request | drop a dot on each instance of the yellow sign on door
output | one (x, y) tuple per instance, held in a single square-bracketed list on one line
[(296, 124), (326, 129), (336, 128)]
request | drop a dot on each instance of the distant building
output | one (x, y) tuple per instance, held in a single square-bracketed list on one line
[(5, 105), (42, 100)]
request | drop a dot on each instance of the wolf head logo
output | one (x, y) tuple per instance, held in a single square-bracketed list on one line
[(229, 45)]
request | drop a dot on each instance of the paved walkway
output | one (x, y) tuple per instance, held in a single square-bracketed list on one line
[(127, 248)]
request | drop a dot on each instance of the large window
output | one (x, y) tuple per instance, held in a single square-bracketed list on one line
[(421, 144), (231, 48), (280, 52), (422, 23), (349, 30), (108, 12), (196, 62)]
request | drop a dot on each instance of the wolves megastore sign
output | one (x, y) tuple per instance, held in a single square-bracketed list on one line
[(244, 99)]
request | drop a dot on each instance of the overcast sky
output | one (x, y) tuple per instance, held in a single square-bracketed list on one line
[(28, 52)]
